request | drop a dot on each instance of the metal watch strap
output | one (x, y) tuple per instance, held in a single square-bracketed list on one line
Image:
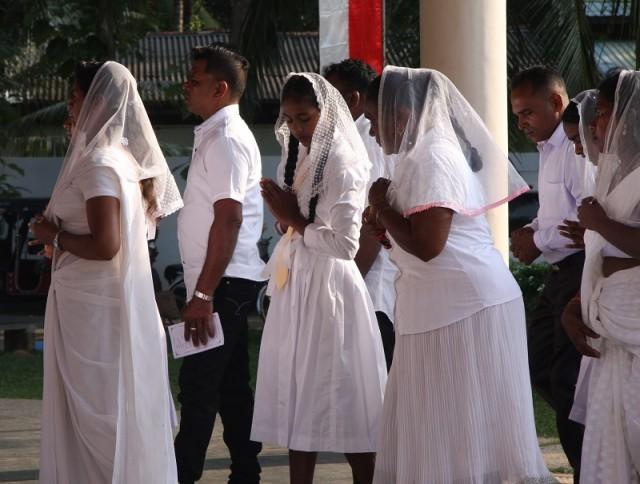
[(56, 240), (202, 295)]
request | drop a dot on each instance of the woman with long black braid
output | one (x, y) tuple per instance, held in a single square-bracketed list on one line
[(322, 372)]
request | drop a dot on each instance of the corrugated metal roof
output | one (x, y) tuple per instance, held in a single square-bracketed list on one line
[(161, 61), (605, 8), (615, 54)]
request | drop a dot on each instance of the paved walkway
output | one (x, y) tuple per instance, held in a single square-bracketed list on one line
[(20, 434)]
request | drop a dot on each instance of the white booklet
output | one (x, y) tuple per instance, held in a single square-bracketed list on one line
[(185, 348)]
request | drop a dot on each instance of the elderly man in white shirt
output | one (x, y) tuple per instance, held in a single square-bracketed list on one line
[(538, 99), (352, 77), (218, 231)]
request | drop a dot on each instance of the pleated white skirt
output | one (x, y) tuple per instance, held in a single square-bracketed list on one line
[(321, 371), (458, 405)]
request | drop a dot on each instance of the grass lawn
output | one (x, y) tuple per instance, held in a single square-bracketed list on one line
[(21, 377)]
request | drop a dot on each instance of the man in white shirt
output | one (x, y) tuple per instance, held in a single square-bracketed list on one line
[(218, 230), (538, 99), (352, 77)]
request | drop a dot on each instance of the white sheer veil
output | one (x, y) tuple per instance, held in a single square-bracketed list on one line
[(113, 116), (621, 153), (586, 102), (414, 103), (619, 159), (335, 121)]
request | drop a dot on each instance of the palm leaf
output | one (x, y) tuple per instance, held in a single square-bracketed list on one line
[(561, 33)]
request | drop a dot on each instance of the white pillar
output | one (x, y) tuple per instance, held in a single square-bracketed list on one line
[(467, 41)]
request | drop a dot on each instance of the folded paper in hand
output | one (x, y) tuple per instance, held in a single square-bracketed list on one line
[(185, 348)]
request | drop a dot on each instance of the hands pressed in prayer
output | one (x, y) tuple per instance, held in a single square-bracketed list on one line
[(378, 193), (198, 321), (371, 225), (591, 214), (573, 231), (576, 330), (523, 245), (283, 205)]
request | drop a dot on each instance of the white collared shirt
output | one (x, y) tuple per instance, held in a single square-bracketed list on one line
[(225, 163), (380, 279), (564, 179)]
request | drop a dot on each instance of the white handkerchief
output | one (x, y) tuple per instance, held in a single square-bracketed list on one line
[(185, 348)]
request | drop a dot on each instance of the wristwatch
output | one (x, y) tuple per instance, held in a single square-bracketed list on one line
[(202, 295), (56, 240)]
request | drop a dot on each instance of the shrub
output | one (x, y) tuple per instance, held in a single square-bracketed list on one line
[(531, 280)]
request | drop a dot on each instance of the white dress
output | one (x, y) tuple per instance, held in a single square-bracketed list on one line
[(458, 405), (608, 390), (102, 421), (321, 372)]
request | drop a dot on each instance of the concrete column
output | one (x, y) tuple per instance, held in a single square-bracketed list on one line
[(467, 41)]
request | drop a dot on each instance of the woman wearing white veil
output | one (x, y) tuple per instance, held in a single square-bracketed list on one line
[(322, 372), (458, 405), (604, 320), (576, 121), (107, 407)]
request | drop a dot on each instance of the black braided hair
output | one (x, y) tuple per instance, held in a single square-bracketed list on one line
[(298, 88), (292, 159), (313, 203)]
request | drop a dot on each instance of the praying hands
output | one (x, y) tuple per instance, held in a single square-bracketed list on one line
[(283, 205)]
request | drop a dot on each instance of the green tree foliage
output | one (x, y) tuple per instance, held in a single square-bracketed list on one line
[(42, 40)]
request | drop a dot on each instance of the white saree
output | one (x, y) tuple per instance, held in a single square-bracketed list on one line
[(611, 383), (107, 408), (611, 307)]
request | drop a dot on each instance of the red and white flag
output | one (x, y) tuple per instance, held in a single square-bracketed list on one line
[(352, 29)]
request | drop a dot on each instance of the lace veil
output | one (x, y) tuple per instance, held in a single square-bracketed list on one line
[(335, 121)]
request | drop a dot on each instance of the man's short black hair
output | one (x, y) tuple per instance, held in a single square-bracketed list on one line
[(226, 64), (355, 73), (538, 77)]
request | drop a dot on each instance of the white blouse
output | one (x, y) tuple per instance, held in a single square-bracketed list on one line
[(469, 274), (71, 211)]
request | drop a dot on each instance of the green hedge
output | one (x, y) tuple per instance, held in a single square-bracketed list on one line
[(531, 281)]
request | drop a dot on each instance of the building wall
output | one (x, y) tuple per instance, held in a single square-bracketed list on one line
[(41, 173)]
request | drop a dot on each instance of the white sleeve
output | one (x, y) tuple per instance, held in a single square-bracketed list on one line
[(98, 181), (227, 164), (580, 178), (339, 236), (439, 179)]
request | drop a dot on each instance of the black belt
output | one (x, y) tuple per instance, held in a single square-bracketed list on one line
[(568, 261)]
